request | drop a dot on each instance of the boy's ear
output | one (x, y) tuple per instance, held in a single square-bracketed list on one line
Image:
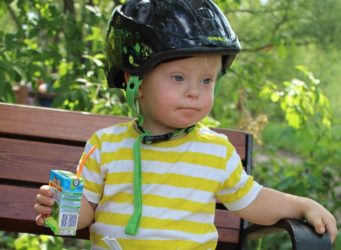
[(126, 76), (139, 92)]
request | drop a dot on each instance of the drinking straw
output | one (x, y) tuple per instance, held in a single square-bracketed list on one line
[(84, 159)]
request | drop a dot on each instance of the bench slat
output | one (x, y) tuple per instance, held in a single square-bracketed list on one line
[(32, 161), (66, 125)]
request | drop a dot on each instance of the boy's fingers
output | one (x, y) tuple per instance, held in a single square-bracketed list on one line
[(44, 203), (44, 200), (45, 191), (318, 225), (41, 209), (327, 226), (45, 196), (332, 230), (40, 220)]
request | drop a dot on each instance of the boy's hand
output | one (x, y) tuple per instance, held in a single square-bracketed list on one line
[(44, 204), (321, 219)]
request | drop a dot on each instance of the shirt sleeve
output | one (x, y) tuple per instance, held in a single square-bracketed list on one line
[(93, 186), (238, 189)]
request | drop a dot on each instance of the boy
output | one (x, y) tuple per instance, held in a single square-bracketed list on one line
[(152, 183)]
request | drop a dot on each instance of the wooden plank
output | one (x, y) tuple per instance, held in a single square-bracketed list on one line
[(71, 125), (226, 219), (228, 226), (17, 202), (52, 123), (31, 161), (228, 235)]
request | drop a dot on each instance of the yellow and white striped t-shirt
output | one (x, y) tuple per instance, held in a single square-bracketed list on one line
[(181, 179)]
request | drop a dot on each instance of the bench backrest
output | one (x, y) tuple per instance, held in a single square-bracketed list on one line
[(35, 140)]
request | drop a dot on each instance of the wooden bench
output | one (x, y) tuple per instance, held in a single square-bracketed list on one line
[(35, 140)]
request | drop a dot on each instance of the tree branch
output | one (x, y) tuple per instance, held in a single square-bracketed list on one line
[(257, 12), (12, 13), (270, 46)]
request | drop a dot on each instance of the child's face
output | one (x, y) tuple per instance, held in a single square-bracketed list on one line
[(179, 93)]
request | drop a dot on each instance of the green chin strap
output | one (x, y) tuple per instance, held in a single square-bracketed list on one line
[(132, 91), (131, 94)]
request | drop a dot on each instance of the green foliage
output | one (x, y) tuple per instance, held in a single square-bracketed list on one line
[(32, 242), (61, 42), (63, 46), (300, 164), (300, 100), (312, 159), (7, 240), (25, 241)]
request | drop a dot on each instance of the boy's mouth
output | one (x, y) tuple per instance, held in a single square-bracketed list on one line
[(188, 109)]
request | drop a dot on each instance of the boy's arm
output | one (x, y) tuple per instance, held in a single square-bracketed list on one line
[(270, 206), (87, 213)]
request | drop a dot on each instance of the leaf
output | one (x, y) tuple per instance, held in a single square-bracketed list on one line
[(314, 182), (96, 61), (275, 97), (94, 9), (286, 183), (6, 93), (293, 119)]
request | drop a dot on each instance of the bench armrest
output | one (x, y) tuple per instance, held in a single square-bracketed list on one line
[(302, 234)]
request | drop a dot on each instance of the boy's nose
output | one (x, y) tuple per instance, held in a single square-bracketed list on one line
[(192, 91)]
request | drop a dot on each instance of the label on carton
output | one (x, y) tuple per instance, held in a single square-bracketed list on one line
[(68, 196)]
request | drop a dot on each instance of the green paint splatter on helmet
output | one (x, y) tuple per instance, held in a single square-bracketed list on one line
[(137, 48), (146, 51), (131, 59)]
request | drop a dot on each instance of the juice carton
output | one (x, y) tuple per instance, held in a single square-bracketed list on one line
[(67, 190)]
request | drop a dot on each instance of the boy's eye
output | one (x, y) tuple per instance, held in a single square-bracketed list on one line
[(207, 80), (178, 78)]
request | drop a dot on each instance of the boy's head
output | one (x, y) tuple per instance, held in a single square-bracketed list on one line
[(143, 33), (178, 93)]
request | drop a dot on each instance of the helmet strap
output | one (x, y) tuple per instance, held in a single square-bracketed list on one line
[(134, 221), (132, 92), (149, 139), (131, 97)]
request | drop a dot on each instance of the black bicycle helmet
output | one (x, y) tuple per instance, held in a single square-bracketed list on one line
[(143, 33)]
